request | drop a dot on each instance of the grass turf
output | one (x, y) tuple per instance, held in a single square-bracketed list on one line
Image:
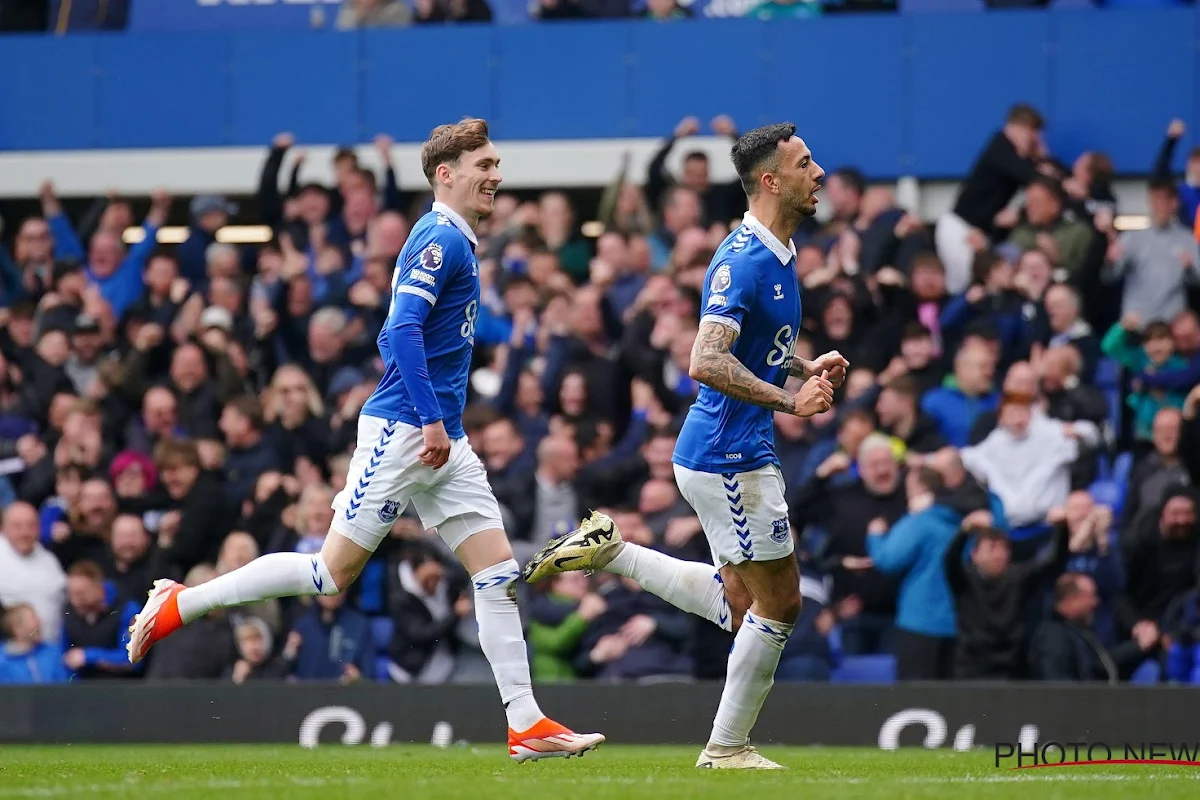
[(611, 773)]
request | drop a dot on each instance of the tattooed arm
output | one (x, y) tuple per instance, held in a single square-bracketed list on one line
[(714, 365), (800, 369)]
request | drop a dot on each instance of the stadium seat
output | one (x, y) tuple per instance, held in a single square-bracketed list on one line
[(865, 669), (382, 629), (371, 587), (1122, 468), (1108, 374), (1109, 493), (1147, 674)]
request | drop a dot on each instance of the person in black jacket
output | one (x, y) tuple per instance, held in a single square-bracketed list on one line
[(1159, 553), (991, 594), (1065, 649), (199, 518), (1006, 165), (864, 598), (427, 604)]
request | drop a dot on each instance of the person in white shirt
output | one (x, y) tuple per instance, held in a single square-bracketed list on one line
[(29, 573)]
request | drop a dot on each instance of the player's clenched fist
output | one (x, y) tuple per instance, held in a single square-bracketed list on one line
[(436, 451), (815, 396)]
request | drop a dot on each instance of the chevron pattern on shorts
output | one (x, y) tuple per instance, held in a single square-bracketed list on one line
[(364, 482), (737, 511)]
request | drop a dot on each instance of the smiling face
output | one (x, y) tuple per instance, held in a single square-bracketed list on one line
[(471, 181)]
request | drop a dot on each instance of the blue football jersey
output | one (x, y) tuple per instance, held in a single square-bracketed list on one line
[(435, 284), (751, 286)]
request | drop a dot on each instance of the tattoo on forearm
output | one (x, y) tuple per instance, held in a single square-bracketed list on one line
[(799, 369), (716, 367)]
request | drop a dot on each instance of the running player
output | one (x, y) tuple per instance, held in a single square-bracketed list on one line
[(725, 461), (412, 448)]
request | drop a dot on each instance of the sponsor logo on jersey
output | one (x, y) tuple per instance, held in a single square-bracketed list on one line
[(718, 300), (424, 277), (389, 511), (779, 530), (721, 280), (431, 257)]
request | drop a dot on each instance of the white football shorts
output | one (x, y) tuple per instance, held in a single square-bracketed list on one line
[(743, 514), (385, 475)]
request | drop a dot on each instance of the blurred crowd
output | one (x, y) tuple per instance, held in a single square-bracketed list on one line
[(1005, 488)]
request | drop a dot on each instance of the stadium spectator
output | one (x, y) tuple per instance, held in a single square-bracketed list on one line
[(434, 11), (1007, 163), (1094, 552), (249, 455), (28, 655), (914, 549), (901, 417), (991, 594), (965, 395), (639, 635), (134, 563), (1185, 328), (373, 14), (991, 300), (256, 662), (1157, 264), (1026, 461), (29, 573), (1066, 242), (1189, 188), (1156, 351), (205, 651), (1064, 648), (863, 598), (1159, 553), (1158, 470), (238, 550), (96, 628), (544, 504), (197, 518), (428, 601), (558, 618), (1066, 326)]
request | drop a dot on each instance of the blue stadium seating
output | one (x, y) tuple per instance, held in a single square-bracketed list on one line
[(865, 669), (382, 629), (1147, 674), (1108, 374), (1122, 468), (1109, 493)]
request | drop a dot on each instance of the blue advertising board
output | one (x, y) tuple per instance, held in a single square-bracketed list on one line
[(897, 95)]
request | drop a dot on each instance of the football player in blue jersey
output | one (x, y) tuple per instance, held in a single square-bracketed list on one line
[(725, 461), (412, 449)]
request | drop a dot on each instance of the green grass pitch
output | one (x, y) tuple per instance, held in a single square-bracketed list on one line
[(611, 773)]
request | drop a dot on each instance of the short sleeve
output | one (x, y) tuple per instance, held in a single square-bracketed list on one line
[(729, 293), (421, 274)]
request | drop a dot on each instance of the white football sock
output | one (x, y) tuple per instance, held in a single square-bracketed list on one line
[(503, 642), (688, 585), (273, 575), (752, 662)]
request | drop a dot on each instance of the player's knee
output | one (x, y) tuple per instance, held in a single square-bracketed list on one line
[(784, 607)]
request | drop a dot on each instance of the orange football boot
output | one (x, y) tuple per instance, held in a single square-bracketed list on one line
[(548, 739), (158, 619)]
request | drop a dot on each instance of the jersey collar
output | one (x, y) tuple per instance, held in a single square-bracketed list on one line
[(785, 253), (458, 221)]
